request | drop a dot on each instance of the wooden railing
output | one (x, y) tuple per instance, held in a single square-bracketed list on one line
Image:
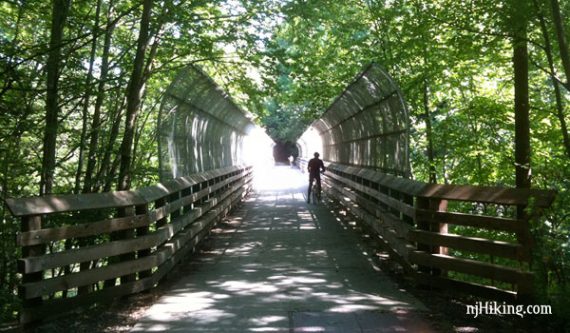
[(457, 237), (78, 250)]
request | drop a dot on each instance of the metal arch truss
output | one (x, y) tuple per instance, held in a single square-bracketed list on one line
[(199, 127), (366, 126)]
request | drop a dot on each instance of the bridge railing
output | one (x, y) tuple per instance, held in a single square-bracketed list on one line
[(456, 237), (78, 250)]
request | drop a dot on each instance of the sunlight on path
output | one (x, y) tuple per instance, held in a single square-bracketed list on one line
[(281, 265), (280, 180)]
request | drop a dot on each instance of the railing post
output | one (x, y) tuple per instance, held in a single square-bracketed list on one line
[(203, 186), (84, 266), (172, 198), (409, 200), (163, 221), (435, 205), (211, 182), (30, 223), (116, 236), (185, 193), (157, 204), (127, 234), (442, 228), (142, 231), (524, 237)]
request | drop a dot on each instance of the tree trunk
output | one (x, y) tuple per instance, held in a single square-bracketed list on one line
[(87, 98), (105, 165), (562, 42), (134, 89), (96, 121), (60, 9), (557, 92), (429, 135), (522, 123)]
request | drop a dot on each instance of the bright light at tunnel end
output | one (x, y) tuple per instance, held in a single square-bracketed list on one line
[(258, 148), (311, 142)]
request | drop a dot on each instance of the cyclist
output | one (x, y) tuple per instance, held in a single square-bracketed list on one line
[(315, 167)]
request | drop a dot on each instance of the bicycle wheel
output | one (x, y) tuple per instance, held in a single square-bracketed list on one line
[(314, 195)]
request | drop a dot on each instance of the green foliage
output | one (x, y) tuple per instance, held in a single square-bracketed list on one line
[(284, 124)]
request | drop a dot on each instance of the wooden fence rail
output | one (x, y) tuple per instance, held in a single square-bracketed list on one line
[(460, 237), (82, 249)]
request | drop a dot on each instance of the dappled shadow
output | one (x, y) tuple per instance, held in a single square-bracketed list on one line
[(279, 264)]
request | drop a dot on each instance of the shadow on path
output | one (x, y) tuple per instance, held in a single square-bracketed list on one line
[(279, 264)]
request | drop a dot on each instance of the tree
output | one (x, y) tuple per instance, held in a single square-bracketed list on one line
[(59, 15), (520, 66), (562, 41), (134, 91), (96, 119), (560, 113)]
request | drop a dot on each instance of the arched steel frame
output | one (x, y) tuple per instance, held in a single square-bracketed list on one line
[(366, 126), (199, 127)]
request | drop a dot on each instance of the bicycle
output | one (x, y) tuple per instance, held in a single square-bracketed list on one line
[(315, 189), (316, 193)]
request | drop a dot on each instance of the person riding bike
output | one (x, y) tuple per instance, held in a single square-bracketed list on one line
[(315, 167)]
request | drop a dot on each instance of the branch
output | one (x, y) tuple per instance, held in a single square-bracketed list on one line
[(561, 36), (566, 85)]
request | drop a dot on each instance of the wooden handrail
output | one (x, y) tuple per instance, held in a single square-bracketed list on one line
[(51, 204), (411, 219), (146, 231), (484, 194), (487, 194)]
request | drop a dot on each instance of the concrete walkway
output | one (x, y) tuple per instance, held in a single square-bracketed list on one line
[(284, 266)]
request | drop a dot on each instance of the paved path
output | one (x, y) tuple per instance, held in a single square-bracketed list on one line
[(284, 265)]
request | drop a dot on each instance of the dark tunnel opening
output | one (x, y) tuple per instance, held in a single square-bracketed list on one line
[(283, 150)]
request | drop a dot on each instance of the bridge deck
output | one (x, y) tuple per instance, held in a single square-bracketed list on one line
[(279, 264)]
